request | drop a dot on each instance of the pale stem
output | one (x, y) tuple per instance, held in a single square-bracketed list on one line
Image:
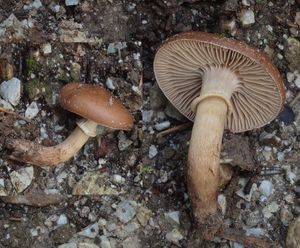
[(36, 154), (211, 108), (204, 156)]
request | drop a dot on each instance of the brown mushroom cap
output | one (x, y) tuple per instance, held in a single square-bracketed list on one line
[(95, 103), (181, 62)]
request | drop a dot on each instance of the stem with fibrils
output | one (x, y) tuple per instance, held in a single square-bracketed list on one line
[(211, 107), (36, 154)]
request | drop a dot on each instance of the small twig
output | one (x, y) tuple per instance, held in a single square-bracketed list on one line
[(14, 114), (15, 219), (296, 99), (247, 241), (174, 129), (36, 199)]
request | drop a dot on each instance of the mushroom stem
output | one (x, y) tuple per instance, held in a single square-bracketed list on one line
[(204, 156), (36, 154), (211, 107)]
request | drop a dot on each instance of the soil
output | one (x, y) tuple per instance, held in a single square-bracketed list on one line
[(118, 42)]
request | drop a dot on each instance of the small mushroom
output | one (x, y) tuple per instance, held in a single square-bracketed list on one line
[(218, 83), (96, 105)]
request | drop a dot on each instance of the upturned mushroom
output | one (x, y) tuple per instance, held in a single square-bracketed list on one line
[(218, 83), (96, 105)]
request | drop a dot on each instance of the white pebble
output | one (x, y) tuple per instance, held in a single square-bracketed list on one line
[(266, 188), (258, 232), (279, 56), (71, 2), (10, 90), (163, 125), (118, 179), (297, 81), (222, 203), (246, 3), (46, 48), (21, 178), (247, 17), (6, 105), (152, 151), (32, 110), (62, 220), (147, 115), (269, 28), (90, 231), (174, 216), (290, 77), (174, 236), (110, 84)]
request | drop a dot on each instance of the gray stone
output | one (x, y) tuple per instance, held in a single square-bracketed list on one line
[(256, 232), (237, 245), (2, 187), (152, 151), (252, 219), (147, 115), (10, 90), (290, 77), (62, 220), (115, 47), (104, 242), (131, 242), (173, 216), (162, 125), (118, 179), (110, 84), (246, 3), (271, 208), (126, 210), (174, 236), (21, 178), (123, 142), (292, 53), (14, 28), (222, 203), (90, 231), (71, 2), (247, 17), (32, 110), (94, 184), (6, 105), (131, 227), (297, 81), (266, 188), (36, 4)]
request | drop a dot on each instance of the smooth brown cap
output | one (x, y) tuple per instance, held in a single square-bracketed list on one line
[(97, 104), (180, 63)]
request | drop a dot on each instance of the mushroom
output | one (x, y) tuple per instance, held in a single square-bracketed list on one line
[(96, 105), (218, 83)]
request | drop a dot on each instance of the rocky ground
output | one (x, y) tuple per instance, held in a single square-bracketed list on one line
[(128, 188)]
